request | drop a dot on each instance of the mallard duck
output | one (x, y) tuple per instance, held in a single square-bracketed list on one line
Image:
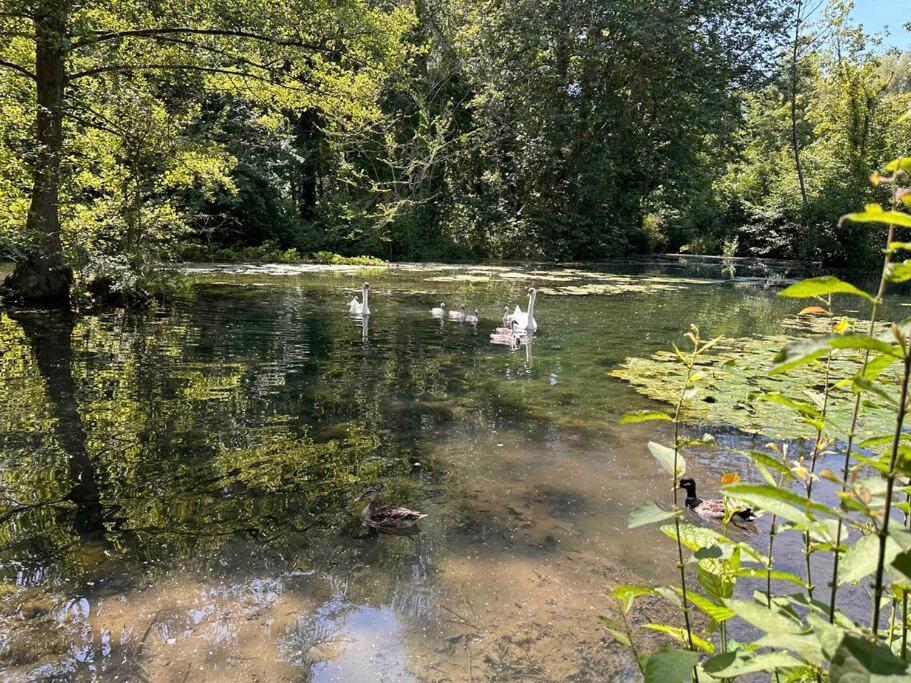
[(387, 518), (711, 508)]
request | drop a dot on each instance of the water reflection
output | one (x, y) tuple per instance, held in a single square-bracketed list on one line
[(178, 484)]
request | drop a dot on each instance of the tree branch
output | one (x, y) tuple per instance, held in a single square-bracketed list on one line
[(21, 70), (170, 30), (124, 68), (222, 53)]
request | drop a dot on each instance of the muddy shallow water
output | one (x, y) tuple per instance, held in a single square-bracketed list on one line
[(187, 475)]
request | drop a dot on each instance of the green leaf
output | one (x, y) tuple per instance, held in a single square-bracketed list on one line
[(644, 416), (782, 502), (822, 286), (616, 631), (628, 594), (864, 384), (806, 351), (901, 163), (647, 513), (694, 537), (721, 666), (771, 463), (800, 406), (899, 272), (861, 557), (858, 659), (804, 646), (902, 563), (680, 635), (670, 665), (665, 457), (778, 575), (716, 612), (764, 618), (874, 213)]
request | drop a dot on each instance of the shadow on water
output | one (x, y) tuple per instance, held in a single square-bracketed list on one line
[(184, 477)]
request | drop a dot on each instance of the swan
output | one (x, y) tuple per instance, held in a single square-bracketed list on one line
[(526, 320), (438, 311), (506, 316), (355, 307), (459, 314), (472, 318), (507, 336)]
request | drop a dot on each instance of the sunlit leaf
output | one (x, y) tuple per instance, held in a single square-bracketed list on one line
[(807, 350), (764, 618), (822, 286), (665, 457), (813, 310), (644, 416), (874, 213), (681, 636), (647, 513), (628, 594), (670, 665), (730, 478)]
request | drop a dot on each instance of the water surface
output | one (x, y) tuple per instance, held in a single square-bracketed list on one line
[(186, 475)]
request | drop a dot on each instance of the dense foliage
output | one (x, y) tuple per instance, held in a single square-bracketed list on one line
[(806, 633), (435, 129)]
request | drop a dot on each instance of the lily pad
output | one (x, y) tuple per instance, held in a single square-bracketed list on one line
[(738, 369)]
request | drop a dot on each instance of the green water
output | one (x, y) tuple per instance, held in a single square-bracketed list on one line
[(179, 483)]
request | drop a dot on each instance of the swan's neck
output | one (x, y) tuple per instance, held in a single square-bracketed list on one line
[(366, 295), (531, 305)]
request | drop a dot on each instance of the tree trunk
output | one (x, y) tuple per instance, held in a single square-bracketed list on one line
[(795, 139), (50, 337), (43, 276)]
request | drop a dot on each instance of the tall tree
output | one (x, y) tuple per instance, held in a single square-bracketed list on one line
[(297, 54)]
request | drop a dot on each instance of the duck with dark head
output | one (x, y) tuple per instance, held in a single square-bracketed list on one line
[(711, 508), (389, 519)]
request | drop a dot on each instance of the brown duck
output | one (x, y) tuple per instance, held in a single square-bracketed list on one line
[(711, 508), (389, 519)]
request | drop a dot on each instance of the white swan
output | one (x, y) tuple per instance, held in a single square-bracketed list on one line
[(438, 311), (355, 307), (506, 317), (526, 320), (472, 318), (459, 314)]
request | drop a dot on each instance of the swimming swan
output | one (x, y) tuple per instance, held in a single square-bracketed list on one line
[(526, 320), (459, 314), (355, 307), (472, 318), (438, 311)]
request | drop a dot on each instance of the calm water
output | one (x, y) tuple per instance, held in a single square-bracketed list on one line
[(193, 470)]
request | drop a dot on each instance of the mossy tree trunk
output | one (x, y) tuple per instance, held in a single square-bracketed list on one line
[(43, 276)]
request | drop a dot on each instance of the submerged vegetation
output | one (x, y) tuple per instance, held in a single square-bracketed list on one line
[(848, 389)]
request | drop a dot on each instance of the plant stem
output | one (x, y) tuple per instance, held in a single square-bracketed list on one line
[(883, 532), (686, 607), (874, 309), (816, 448), (904, 624)]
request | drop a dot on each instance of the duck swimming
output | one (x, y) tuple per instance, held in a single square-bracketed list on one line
[(711, 508), (386, 518)]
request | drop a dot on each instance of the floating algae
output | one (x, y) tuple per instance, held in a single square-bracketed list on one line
[(738, 370)]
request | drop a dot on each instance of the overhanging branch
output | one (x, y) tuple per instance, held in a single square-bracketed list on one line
[(126, 68), (21, 70)]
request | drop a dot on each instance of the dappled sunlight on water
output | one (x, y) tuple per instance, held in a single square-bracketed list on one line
[(181, 481)]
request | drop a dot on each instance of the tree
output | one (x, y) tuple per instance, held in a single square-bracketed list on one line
[(299, 54)]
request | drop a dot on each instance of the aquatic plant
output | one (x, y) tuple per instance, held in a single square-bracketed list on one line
[(847, 392)]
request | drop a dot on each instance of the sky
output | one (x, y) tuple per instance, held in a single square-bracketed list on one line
[(877, 14)]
